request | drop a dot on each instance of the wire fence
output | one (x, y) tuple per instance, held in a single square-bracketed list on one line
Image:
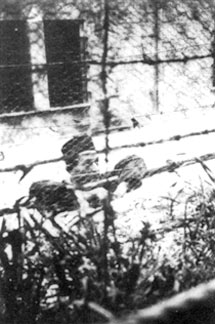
[(65, 88)]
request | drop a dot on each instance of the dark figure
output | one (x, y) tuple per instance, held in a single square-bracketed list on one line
[(53, 197), (135, 123), (130, 171), (81, 160)]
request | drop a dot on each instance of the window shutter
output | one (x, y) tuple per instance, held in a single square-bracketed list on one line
[(65, 64), (15, 70)]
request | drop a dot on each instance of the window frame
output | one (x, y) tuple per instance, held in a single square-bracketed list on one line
[(33, 68)]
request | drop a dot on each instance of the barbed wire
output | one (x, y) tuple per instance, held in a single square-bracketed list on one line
[(200, 45), (171, 166), (161, 141), (177, 137), (195, 306)]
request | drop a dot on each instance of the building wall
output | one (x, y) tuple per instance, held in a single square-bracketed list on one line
[(39, 134)]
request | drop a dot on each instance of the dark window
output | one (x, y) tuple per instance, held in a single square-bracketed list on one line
[(66, 68), (15, 71)]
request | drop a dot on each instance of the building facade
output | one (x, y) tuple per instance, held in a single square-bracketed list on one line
[(43, 94)]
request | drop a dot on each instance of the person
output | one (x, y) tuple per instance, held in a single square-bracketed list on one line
[(81, 160)]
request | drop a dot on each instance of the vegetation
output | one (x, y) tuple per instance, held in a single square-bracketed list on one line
[(82, 269), (86, 271)]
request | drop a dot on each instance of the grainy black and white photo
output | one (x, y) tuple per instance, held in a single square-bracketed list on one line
[(107, 162)]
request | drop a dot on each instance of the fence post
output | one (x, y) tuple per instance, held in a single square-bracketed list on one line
[(157, 70)]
